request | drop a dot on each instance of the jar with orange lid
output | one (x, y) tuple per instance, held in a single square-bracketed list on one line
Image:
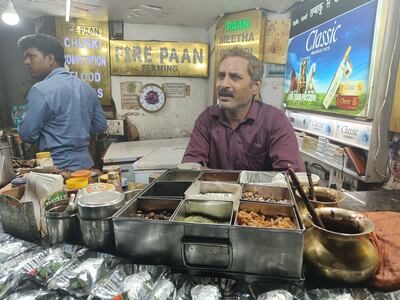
[(90, 175), (43, 159)]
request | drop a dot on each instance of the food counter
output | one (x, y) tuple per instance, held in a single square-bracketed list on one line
[(166, 281)]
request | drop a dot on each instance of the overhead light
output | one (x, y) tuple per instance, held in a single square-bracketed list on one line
[(67, 10), (10, 16)]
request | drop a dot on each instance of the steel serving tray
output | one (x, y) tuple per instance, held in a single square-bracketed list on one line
[(148, 241), (179, 175), (274, 251), (271, 194), (219, 175), (212, 248), (166, 189), (203, 190)]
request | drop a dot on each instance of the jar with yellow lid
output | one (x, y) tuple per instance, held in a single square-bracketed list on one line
[(43, 159), (74, 184)]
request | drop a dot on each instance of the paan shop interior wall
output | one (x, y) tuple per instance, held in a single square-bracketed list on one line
[(177, 117)]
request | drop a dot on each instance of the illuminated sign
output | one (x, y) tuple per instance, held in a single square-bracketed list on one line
[(86, 50), (148, 58), (238, 24)]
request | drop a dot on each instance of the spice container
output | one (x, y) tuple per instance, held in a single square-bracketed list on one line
[(95, 212), (43, 159), (115, 180), (92, 176), (108, 169), (61, 225), (74, 184)]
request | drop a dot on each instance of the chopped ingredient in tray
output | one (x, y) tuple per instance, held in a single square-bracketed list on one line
[(154, 215), (254, 196), (259, 220), (199, 219)]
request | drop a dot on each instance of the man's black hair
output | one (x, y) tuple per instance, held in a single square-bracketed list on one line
[(45, 44)]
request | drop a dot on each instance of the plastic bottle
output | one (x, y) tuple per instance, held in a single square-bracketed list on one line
[(43, 159)]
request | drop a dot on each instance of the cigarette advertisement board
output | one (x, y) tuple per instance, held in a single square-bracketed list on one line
[(328, 66)]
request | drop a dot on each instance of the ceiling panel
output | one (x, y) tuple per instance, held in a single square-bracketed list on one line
[(172, 12)]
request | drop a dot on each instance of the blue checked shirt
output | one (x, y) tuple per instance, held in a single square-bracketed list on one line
[(61, 114)]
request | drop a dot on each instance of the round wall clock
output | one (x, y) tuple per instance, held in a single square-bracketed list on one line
[(152, 98)]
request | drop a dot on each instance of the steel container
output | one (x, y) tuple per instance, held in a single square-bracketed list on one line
[(6, 167), (166, 189), (62, 226), (226, 248), (272, 252), (179, 175), (219, 175), (98, 234), (148, 241), (203, 190), (100, 205), (271, 194)]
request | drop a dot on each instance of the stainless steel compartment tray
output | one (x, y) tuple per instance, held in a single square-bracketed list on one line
[(179, 175), (148, 241), (166, 189), (219, 175), (274, 252), (216, 248), (270, 209), (221, 211), (271, 194)]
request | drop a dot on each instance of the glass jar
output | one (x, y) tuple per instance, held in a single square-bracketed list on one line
[(43, 159), (114, 179)]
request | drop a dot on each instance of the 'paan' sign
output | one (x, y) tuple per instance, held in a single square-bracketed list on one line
[(145, 58)]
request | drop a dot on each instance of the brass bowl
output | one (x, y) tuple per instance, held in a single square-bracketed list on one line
[(326, 197), (343, 250)]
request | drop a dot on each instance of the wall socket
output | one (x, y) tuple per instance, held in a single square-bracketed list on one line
[(115, 127)]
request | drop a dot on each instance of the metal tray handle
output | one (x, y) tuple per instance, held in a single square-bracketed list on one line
[(207, 254)]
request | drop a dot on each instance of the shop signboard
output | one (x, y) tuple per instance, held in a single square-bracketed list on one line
[(328, 65), (86, 46), (150, 58)]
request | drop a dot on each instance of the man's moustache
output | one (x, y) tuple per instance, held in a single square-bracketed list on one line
[(225, 93)]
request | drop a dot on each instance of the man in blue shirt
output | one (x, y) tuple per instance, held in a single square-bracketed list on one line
[(63, 111)]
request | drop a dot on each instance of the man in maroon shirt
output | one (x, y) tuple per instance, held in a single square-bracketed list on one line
[(241, 133)]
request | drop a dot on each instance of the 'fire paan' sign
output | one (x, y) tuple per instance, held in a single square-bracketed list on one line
[(148, 58)]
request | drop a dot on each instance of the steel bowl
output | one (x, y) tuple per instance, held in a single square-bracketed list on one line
[(98, 234), (101, 205), (62, 226)]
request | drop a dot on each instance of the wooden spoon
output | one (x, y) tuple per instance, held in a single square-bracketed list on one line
[(317, 220)]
